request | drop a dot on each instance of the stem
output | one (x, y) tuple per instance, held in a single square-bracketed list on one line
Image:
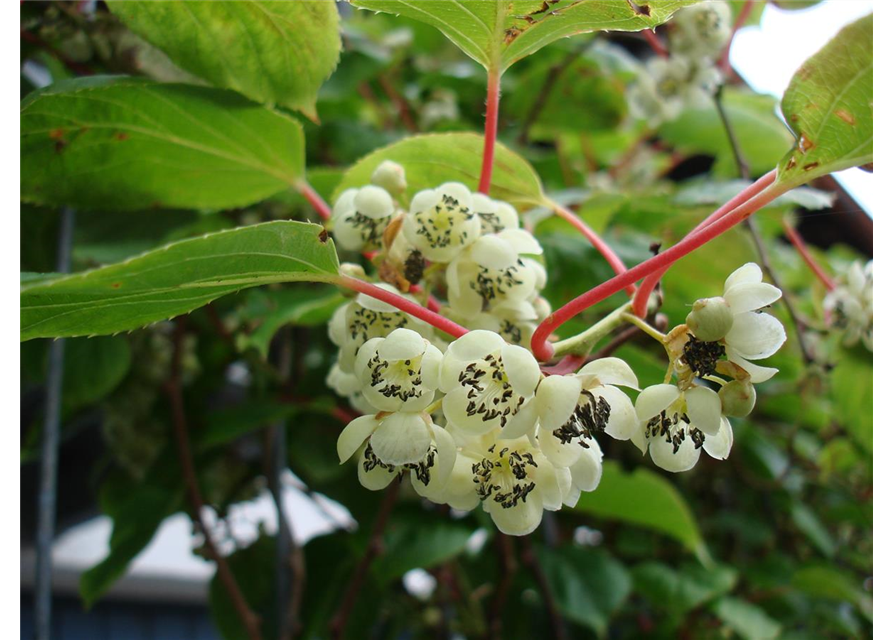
[(316, 201), (644, 327), (543, 351), (528, 555), (490, 130), (724, 64), (249, 619), (640, 302), (412, 308), (799, 244), (596, 241), (744, 170), (402, 106), (583, 343), (374, 548), (656, 44)]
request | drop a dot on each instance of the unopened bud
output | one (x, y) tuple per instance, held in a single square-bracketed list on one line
[(710, 319), (390, 176), (374, 202), (738, 398), (353, 270)]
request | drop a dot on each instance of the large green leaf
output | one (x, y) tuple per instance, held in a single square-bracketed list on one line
[(93, 368), (175, 279), (834, 583), (853, 393), (433, 159), (123, 144), (687, 588), (645, 499), (747, 620), (498, 33), (272, 52), (829, 104)]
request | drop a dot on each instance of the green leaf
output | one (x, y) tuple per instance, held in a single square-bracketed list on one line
[(589, 585), (747, 620), (225, 425), (852, 390), (176, 279), (275, 309), (137, 509), (808, 522), (829, 581), (272, 52), (645, 499), (829, 105), (124, 144), (433, 159), (498, 33), (685, 589), (254, 569), (761, 135), (93, 368)]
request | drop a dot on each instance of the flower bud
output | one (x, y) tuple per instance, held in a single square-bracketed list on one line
[(353, 270), (374, 202), (710, 319), (738, 398), (390, 176)]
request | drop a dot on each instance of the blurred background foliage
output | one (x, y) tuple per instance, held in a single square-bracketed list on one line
[(774, 542)]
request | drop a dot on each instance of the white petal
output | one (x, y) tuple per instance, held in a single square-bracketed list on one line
[(522, 423), (522, 241), (508, 215), (354, 435), (572, 497), (561, 455), (519, 520), (344, 203), (460, 490), (683, 460), (414, 405), (482, 204), (374, 202), (611, 371), (704, 409), (349, 235), (422, 201), (474, 345), (655, 399), (552, 483), (374, 304), (750, 272), (454, 408), (457, 190), (639, 438), (557, 398), (376, 478), (401, 344), (401, 438), (522, 369), (445, 459), (431, 367), (756, 335), (757, 373), (337, 328), (623, 421), (750, 296), (720, 445), (493, 252), (364, 356), (587, 471)]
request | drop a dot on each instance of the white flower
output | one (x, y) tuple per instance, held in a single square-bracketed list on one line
[(348, 386), (357, 322), (850, 306), (488, 383), (574, 408), (512, 331), (396, 442), (441, 222), (360, 216), (666, 86), (702, 30), (491, 275), (513, 480), (400, 372), (495, 215), (586, 473), (390, 176), (676, 424), (754, 335)]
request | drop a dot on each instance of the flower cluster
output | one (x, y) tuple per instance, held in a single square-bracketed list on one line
[(687, 77), (474, 420), (850, 307)]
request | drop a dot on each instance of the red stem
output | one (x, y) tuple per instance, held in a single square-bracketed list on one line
[(543, 350), (602, 247), (315, 201), (656, 44), (568, 364), (640, 302), (408, 306), (797, 240), (490, 131), (724, 64)]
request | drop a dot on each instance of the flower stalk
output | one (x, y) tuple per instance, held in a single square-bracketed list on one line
[(490, 131), (316, 201), (797, 240)]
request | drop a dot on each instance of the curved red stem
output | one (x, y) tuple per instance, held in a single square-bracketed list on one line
[(724, 64), (596, 240), (316, 201), (543, 350), (490, 131), (797, 240), (414, 309), (656, 45), (640, 301)]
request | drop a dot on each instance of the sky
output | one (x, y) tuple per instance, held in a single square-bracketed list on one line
[(767, 57)]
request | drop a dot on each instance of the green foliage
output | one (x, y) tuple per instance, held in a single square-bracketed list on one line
[(746, 619), (256, 47), (254, 568), (175, 279), (127, 144), (830, 107)]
